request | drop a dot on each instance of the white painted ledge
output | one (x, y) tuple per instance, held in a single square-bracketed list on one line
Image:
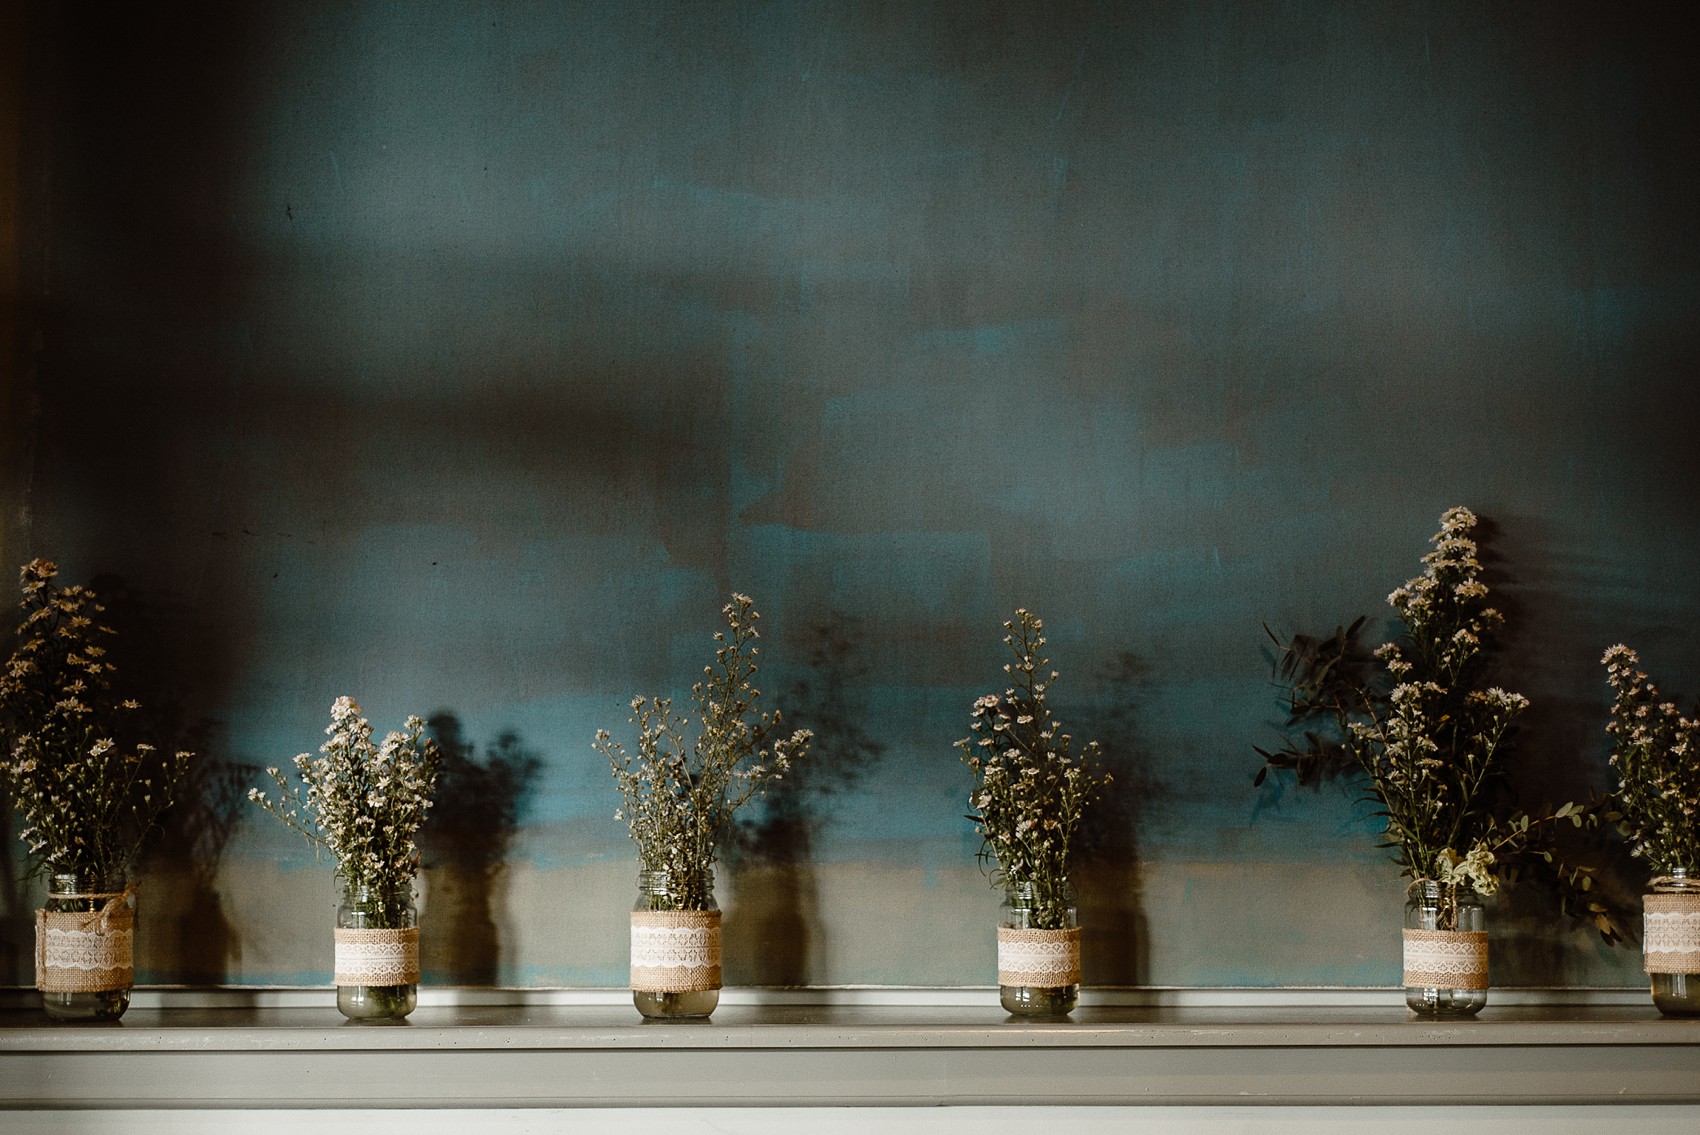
[(1342, 1119), (1632, 1119), (227, 1050)]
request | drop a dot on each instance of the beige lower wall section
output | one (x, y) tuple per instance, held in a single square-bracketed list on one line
[(848, 923)]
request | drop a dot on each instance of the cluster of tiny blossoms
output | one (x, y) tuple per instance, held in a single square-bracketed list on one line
[(363, 803), (1029, 791), (1656, 751), (679, 796), (87, 802), (1443, 609), (1437, 746)]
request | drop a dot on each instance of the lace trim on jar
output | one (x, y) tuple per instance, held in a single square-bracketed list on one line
[(675, 951), (1045, 958), (377, 957), (1446, 959), (84, 951), (1671, 933)]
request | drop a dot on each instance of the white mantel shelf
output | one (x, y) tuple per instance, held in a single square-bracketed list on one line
[(751, 1055)]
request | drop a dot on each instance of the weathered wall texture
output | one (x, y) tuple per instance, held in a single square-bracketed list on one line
[(463, 357)]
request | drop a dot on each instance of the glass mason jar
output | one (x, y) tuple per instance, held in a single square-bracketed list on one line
[(1038, 950), (85, 938), (377, 952), (1671, 937), (675, 948), (1446, 972)]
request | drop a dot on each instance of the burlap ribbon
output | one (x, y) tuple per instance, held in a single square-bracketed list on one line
[(1038, 958), (675, 951), (1446, 959), (377, 957), (86, 951), (1671, 933)]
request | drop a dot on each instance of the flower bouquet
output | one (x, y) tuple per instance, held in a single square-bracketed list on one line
[(364, 804), (679, 796), (1431, 741), (1029, 794), (87, 801)]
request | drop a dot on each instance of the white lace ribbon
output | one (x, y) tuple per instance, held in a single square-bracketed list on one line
[(1040, 958), (675, 951), (1446, 959), (1671, 933), (74, 954), (377, 957)]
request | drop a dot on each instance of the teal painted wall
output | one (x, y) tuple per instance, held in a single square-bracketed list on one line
[(462, 357)]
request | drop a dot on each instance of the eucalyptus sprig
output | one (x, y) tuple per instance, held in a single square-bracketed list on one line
[(89, 799), (1030, 789), (679, 793), (1656, 752)]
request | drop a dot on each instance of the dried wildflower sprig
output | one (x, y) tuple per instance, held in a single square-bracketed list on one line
[(362, 803), (1656, 751), (679, 795), (1029, 790), (1435, 749), (1432, 747), (87, 801)]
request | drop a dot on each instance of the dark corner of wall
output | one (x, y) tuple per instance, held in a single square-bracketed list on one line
[(16, 400)]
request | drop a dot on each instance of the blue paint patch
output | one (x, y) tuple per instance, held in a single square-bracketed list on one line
[(628, 312), (995, 339)]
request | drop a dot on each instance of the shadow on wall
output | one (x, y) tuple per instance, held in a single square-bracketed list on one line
[(184, 936), (773, 932), (464, 846), (1559, 750), (17, 925), (189, 940), (1106, 873)]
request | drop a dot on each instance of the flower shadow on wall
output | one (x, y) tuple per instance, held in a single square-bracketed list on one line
[(772, 931), (191, 941), (1106, 875), (184, 934), (17, 924), (464, 848), (1560, 751)]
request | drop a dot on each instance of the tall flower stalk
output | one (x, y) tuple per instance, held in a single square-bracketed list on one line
[(1656, 752), (679, 793), (363, 803), (1030, 790), (1428, 735), (88, 799)]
